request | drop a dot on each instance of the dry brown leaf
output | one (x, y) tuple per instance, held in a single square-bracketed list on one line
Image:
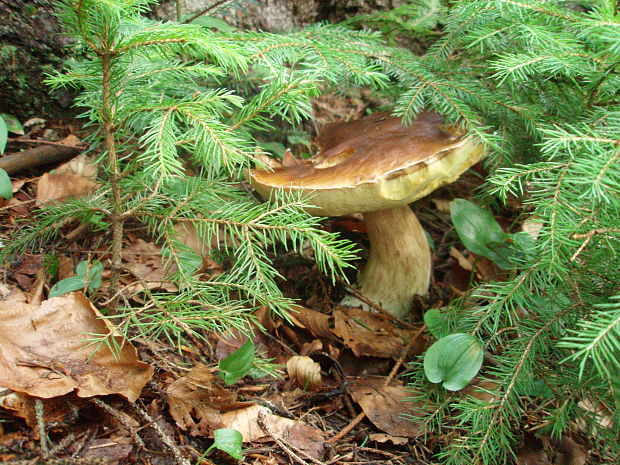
[(317, 323), (299, 434), (373, 334), (111, 451), (547, 451), (188, 235), (442, 205), (600, 414), (65, 267), (43, 351), (305, 372), (461, 259), (145, 261), (570, 452), (23, 406), (196, 400), (385, 406), (61, 186), (477, 388), (381, 438), (532, 226), (83, 165)]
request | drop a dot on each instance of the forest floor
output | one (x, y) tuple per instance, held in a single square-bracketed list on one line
[(339, 374)]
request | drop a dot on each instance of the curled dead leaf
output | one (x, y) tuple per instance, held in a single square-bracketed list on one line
[(305, 372), (319, 324), (44, 353), (382, 438), (23, 406)]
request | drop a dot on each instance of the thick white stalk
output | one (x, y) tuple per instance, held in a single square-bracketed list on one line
[(399, 265)]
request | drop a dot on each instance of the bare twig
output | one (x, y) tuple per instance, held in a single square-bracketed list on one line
[(403, 356), (261, 420), (588, 237), (43, 155), (347, 429), (165, 438), (59, 143), (39, 411), (121, 419)]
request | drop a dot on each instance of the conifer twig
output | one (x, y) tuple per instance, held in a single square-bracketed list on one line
[(110, 144)]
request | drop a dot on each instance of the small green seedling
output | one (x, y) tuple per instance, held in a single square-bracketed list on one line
[(238, 364), (6, 187), (8, 123), (228, 440), (86, 277), (479, 231)]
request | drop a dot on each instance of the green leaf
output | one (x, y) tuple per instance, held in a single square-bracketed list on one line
[(454, 359), (434, 321), (213, 23), (299, 139), (73, 283), (91, 275), (275, 148), (84, 275), (6, 187), (228, 440), (238, 364), (479, 231), (4, 135), (13, 125)]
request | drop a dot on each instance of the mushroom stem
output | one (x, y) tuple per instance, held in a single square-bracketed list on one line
[(399, 265)]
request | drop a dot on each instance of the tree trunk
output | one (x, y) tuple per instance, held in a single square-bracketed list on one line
[(30, 46), (280, 15)]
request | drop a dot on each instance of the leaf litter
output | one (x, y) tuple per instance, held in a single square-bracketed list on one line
[(142, 415)]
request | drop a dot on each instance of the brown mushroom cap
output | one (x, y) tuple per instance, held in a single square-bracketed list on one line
[(376, 163)]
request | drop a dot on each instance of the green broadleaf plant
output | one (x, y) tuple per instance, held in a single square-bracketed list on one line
[(434, 321), (238, 364), (453, 360), (6, 187), (88, 276), (228, 440), (12, 124), (4, 134), (479, 231)]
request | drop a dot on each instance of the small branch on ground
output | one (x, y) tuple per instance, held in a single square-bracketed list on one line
[(43, 155), (121, 419), (165, 438), (288, 448)]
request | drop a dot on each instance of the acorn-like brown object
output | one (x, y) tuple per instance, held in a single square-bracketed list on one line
[(377, 166)]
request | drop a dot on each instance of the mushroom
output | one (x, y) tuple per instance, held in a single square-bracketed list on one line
[(377, 166)]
